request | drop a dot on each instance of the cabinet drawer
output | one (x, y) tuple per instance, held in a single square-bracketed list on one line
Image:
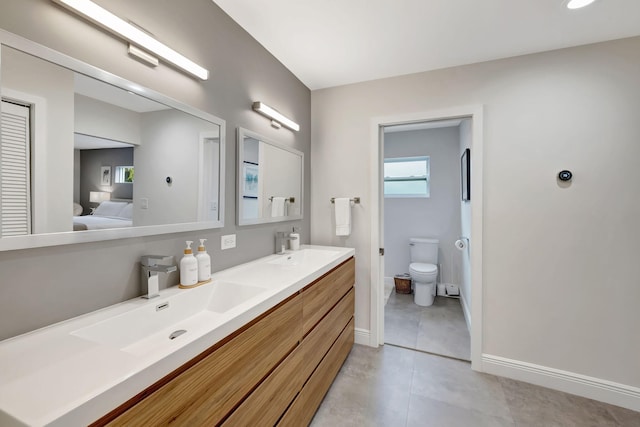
[(270, 400), (321, 338), (304, 407), (319, 297), (206, 392)]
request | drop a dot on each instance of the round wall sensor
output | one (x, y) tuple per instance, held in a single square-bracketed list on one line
[(565, 175)]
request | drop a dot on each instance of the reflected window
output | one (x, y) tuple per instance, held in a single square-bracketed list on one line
[(123, 175)]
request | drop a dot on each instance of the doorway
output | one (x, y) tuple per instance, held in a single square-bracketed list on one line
[(424, 216), (377, 309)]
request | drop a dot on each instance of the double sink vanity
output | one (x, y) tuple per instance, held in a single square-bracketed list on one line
[(260, 344)]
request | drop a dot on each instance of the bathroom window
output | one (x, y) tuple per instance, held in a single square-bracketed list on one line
[(406, 177)]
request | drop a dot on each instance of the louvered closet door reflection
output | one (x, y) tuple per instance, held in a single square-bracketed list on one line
[(15, 200)]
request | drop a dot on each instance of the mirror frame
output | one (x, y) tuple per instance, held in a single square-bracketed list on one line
[(241, 133), (70, 237)]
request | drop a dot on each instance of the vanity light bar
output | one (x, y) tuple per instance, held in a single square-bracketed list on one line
[(118, 26), (142, 55), (577, 4), (271, 113)]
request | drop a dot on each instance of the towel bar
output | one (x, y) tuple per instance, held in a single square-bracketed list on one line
[(355, 200), (288, 199)]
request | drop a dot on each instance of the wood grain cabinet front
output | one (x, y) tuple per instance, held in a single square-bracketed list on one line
[(204, 394), (275, 370), (320, 296)]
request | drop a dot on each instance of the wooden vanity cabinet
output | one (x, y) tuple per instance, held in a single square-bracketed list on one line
[(274, 370)]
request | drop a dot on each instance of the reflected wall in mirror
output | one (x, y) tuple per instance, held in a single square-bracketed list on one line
[(81, 154), (270, 180)]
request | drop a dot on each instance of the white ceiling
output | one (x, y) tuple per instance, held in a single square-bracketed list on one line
[(90, 142), (329, 43)]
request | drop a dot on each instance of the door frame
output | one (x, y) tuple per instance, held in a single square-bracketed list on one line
[(475, 112)]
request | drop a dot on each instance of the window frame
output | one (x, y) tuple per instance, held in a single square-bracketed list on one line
[(412, 178)]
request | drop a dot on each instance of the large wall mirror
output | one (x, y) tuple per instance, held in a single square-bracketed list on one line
[(270, 180), (88, 156)]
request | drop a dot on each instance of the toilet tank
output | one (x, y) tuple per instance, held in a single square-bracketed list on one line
[(424, 250)]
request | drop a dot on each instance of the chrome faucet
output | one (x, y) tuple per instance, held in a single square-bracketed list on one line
[(151, 266), (282, 237)]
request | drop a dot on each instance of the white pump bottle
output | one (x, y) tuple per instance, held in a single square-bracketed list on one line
[(188, 267), (204, 263)]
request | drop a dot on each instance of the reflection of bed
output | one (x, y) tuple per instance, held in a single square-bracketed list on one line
[(109, 214)]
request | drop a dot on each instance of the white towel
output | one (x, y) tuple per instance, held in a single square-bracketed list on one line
[(277, 206), (343, 216)]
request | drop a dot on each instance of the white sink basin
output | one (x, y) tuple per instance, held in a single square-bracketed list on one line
[(166, 322), (156, 319), (228, 295), (156, 324), (304, 257)]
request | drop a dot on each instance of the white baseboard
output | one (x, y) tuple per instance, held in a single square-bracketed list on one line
[(569, 382), (465, 310), (363, 337), (388, 281)]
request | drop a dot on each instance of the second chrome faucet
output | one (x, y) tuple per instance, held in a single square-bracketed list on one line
[(282, 237)]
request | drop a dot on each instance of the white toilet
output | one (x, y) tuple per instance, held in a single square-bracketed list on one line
[(423, 269)]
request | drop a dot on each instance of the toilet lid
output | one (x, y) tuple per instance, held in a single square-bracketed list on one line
[(420, 267)]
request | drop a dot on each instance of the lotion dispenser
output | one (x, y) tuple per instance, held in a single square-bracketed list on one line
[(294, 240), (188, 267), (204, 263)]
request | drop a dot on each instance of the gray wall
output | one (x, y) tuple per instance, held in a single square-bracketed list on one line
[(46, 285), (436, 216)]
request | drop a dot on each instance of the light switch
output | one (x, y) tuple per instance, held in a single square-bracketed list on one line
[(228, 241), (144, 203)]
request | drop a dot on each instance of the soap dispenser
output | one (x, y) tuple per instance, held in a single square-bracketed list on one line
[(204, 263), (188, 267), (294, 240)]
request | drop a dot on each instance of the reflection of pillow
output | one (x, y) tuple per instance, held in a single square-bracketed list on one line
[(109, 208), (77, 209), (127, 211)]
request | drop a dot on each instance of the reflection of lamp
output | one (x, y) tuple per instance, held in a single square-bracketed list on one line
[(122, 28), (278, 117), (99, 196)]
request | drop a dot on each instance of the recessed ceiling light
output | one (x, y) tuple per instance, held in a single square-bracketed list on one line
[(577, 4)]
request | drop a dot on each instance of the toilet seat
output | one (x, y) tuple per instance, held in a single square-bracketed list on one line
[(423, 268), (422, 272)]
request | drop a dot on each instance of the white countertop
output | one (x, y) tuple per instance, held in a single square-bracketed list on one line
[(56, 376)]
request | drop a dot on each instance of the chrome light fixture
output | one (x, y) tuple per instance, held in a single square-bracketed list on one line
[(577, 4), (118, 26), (275, 116)]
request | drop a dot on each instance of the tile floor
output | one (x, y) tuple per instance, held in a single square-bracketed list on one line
[(393, 386), (439, 329)]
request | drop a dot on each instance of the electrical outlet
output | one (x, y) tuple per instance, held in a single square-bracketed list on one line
[(228, 241)]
